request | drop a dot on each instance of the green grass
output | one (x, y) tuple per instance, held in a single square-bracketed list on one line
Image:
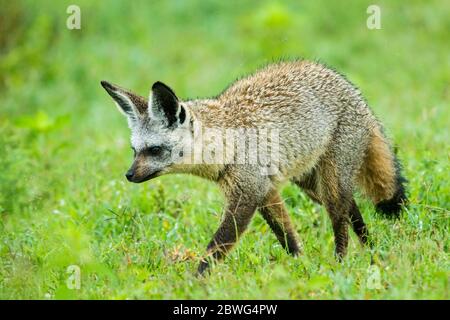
[(64, 149)]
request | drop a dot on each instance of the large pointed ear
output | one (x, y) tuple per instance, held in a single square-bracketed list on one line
[(164, 105), (130, 104)]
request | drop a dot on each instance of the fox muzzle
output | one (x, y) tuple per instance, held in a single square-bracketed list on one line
[(135, 177)]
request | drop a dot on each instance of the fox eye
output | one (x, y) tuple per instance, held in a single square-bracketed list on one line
[(154, 150)]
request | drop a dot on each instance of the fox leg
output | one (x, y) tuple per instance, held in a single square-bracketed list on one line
[(322, 186), (276, 215), (238, 213), (339, 219), (308, 184), (359, 227), (337, 198)]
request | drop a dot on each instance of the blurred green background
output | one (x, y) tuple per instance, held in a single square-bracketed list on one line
[(64, 148)]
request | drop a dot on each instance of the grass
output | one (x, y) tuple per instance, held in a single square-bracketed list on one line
[(64, 149)]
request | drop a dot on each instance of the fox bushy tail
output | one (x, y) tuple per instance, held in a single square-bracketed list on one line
[(381, 176)]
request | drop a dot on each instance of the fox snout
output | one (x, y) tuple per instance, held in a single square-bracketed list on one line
[(140, 172), (136, 177), (130, 175)]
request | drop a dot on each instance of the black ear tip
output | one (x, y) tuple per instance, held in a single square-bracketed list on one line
[(105, 84), (108, 86), (158, 84)]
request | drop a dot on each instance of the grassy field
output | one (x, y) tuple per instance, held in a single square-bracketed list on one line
[(64, 149)]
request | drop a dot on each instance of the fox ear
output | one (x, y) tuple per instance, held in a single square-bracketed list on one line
[(163, 104), (130, 104)]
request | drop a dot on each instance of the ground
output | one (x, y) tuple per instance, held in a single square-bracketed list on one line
[(65, 205)]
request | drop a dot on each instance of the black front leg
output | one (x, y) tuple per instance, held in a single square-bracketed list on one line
[(239, 212)]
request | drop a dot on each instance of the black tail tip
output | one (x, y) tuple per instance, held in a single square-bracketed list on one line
[(393, 206), (390, 208)]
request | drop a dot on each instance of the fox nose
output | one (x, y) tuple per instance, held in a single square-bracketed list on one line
[(129, 175)]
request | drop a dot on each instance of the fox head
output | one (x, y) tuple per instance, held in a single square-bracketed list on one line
[(160, 129)]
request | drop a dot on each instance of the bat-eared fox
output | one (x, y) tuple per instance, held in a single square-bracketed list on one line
[(322, 134)]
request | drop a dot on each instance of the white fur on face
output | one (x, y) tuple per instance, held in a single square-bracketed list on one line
[(148, 133)]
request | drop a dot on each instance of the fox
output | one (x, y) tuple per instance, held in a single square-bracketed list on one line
[(330, 145)]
